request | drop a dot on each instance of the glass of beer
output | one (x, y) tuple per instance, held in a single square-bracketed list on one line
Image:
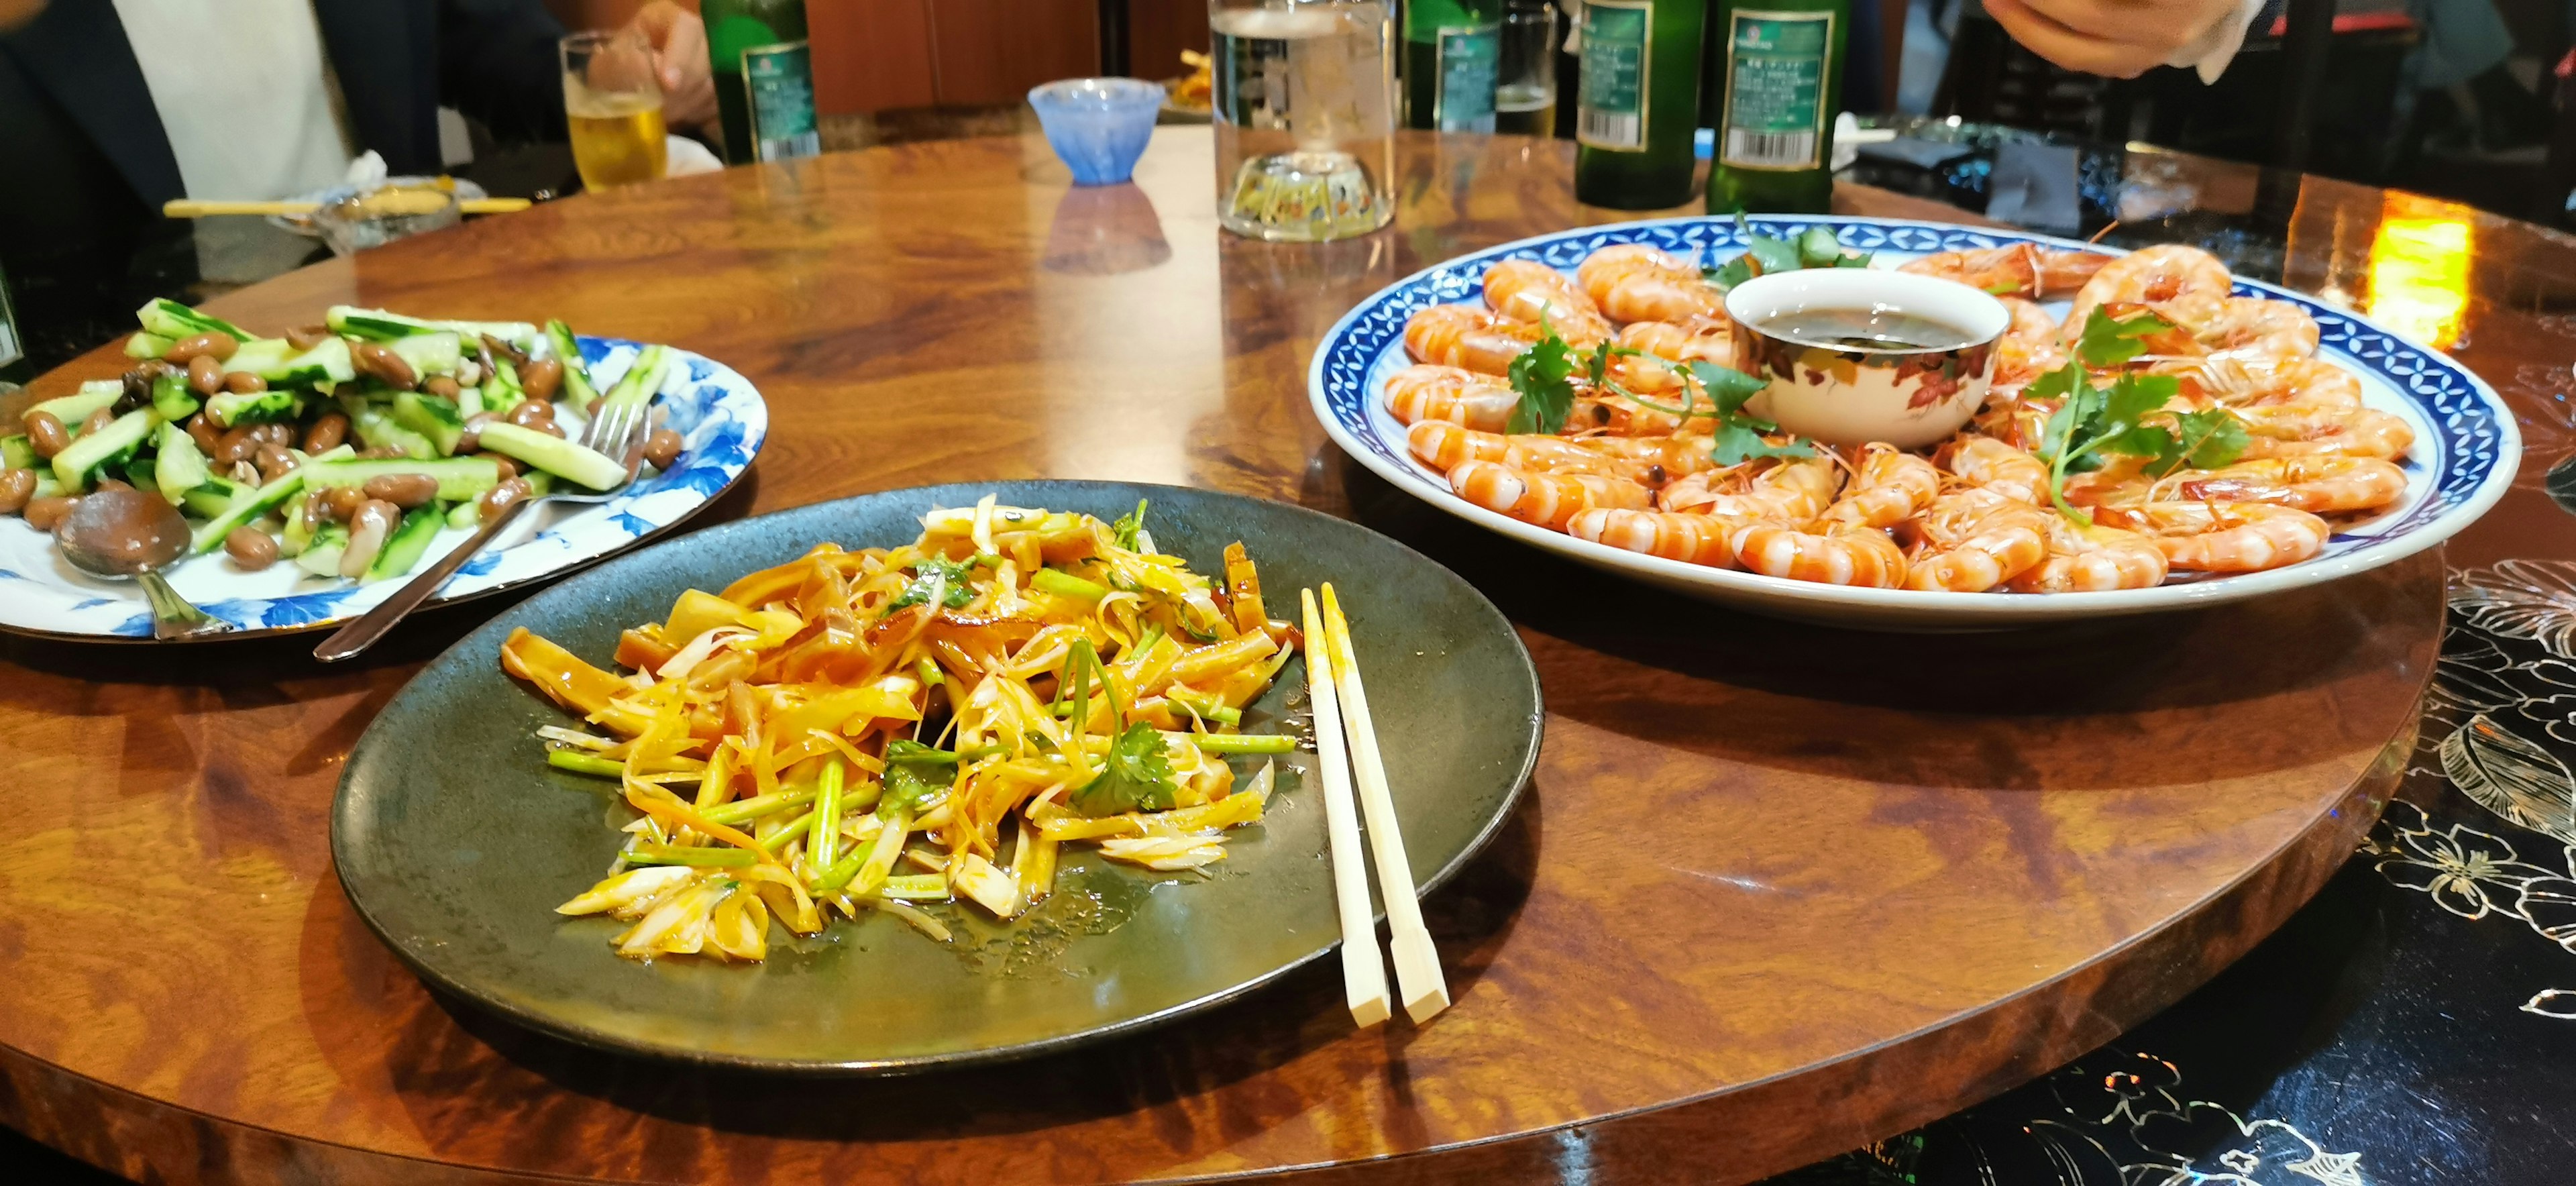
[(614, 107)]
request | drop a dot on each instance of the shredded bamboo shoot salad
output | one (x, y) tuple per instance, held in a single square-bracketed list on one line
[(892, 727)]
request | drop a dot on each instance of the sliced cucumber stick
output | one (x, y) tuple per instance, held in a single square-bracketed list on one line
[(554, 455)]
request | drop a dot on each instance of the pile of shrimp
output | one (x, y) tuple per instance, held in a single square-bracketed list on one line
[(1972, 514)]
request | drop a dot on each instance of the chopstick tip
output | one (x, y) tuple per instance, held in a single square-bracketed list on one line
[(1428, 1005)]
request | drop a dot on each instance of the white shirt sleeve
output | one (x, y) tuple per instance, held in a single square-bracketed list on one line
[(2213, 50)]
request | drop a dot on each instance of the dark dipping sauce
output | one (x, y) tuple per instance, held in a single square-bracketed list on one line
[(1866, 329)]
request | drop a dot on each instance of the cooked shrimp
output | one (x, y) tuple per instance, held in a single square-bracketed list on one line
[(1841, 554), (1615, 415), (1662, 346), (2013, 420), (1794, 490), (1701, 339), (2245, 381), (1444, 446), (2092, 559), (1974, 540), (2329, 430), (2260, 327), (2122, 479), (1692, 539), (1634, 282), (2029, 348), (1544, 499), (1987, 462), (2318, 485), (1427, 392), (2183, 285), (1465, 336), (1528, 291), (2225, 537), (1888, 485), (1668, 457), (2021, 270)]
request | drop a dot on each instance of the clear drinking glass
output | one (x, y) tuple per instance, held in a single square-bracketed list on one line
[(1525, 82), (614, 108), (384, 214), (1305, 117)]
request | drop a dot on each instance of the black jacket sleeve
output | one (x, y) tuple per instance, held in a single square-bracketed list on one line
[(497, 63)]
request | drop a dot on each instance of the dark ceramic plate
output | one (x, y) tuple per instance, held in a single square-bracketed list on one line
[(456, 841)]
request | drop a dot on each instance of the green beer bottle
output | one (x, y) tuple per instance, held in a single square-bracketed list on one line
[(1638, 102), (1451, 50), (1780, 84), (764, 77)]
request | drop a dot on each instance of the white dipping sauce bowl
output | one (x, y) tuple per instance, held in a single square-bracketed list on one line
[(1844, 395)]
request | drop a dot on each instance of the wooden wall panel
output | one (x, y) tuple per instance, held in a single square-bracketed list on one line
[(1157, 32), (992, 51), (870, 55)]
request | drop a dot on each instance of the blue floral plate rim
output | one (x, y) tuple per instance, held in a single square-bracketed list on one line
[(723, 421)]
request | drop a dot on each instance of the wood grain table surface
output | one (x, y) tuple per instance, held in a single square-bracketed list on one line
[(1775, 890)]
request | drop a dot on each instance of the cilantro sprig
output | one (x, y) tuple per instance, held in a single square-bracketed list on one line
[(1739, 436), (1544, 377), (1136, 776), (2091, 421), (1815, 247), (1129, 531), (915, 773), (935, 577)]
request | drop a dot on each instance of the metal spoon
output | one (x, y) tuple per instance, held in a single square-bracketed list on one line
[(125, 534)]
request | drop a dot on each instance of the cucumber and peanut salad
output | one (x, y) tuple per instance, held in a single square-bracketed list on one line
[(343, 447)]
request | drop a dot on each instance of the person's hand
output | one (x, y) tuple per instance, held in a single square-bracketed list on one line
[(679, 62), (2116, 38)]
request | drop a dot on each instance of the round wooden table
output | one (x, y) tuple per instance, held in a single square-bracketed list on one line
[(1775, 891)]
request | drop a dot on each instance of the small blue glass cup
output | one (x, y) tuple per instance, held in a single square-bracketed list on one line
[(1098, 126)]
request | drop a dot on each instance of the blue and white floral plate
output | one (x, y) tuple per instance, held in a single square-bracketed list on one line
[(720, 418), (2466, 444)]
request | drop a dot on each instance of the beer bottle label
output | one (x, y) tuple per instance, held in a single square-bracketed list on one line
[(780, 82), (1775, 90), (1469, 59), (1610, 111)]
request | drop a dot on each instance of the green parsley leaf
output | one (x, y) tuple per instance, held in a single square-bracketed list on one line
[(1543, 375), (933, 573), (1739, 434), (2205, 439), (1815, 247), (2108, 343), (2131, 399), (915, 773), (1729, 274), (1136, 777), (1773, 255)]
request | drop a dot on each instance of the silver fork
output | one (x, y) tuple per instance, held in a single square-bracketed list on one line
[(618, 431)]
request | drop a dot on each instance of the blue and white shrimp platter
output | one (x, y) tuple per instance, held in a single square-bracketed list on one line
[(722, 423), (2466, 444)]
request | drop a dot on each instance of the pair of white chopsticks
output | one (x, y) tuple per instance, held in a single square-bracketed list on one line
[(1347, 743)]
